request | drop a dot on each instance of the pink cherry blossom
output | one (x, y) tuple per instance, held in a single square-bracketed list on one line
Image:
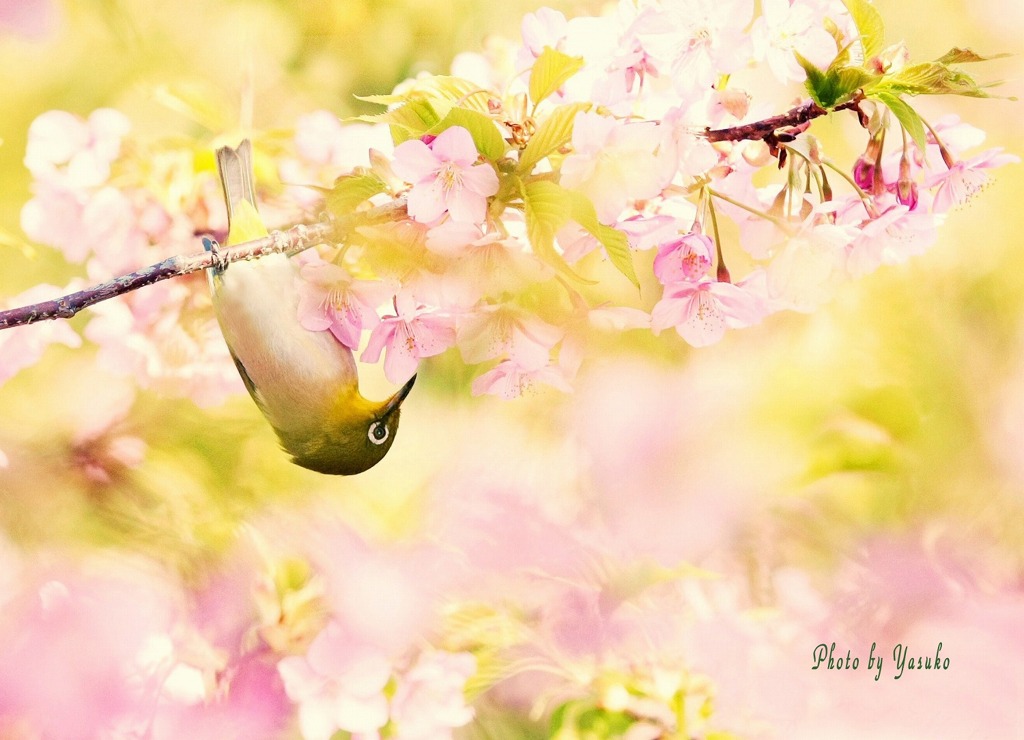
[(53, 216), (76, 153), (429, 700), (511, 380), (415, 331), (649, 231), (481, 264), (445, 177), (498, 330), (964, 179), (701, 312), (453, 238), (33, 19), (614, 162), (784, 28), (70, 647), (338, 684), (22, 347), (806, 271), (321, 139), (167, 338), (696, 40), (545, 27), (330, 299), (687, 258), (680, 149), (895, 236)]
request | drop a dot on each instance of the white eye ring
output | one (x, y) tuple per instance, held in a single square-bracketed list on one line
[(378, 432)]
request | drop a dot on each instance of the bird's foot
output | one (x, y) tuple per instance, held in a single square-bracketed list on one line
[(218, 261)]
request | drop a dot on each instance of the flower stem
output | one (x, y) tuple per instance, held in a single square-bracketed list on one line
[(781, 223)]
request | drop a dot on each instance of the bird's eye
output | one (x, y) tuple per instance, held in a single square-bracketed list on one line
[(378, 432)]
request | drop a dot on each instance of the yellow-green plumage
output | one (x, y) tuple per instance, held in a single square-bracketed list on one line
[(304, 382)]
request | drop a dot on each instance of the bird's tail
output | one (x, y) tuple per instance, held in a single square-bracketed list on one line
[(236, 177)]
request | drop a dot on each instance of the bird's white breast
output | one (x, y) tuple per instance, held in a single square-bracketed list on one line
[(296, 371)]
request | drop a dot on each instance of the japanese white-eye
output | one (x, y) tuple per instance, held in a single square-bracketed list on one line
[(305, 382)]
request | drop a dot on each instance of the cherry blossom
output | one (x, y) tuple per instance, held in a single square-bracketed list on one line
[(701, 312), (965, 178), (338, 684), (493, 331), (412, 333), (64, 149), (545, 27), (695, 40), (23, 347), (167, 339), (33, 19), (511, 379), (332, 300), (445, 177), (785, 27), (614, 162), (898, 234), (687, 258), (320, 138), (429, 700), (809, 266)]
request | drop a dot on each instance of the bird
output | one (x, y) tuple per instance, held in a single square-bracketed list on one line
[(305, 382)]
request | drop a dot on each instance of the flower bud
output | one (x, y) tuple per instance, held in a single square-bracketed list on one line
[(906, 188)]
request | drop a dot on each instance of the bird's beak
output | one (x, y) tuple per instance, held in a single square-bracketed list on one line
[(396, 400)]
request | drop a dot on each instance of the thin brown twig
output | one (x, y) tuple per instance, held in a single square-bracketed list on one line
[(289, 242), (783, 127)]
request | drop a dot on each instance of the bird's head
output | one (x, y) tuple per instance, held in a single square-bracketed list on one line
[(355, 435)]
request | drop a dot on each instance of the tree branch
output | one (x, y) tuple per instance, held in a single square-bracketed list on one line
[(773, 131), (289, 242), (783, 127)]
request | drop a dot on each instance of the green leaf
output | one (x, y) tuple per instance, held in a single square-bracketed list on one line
[(615, 242), (547, 210), (869, 25), (482, 128), (408, 121), (834, 86), (554, 132), (454, 90), (906, 115), (849, 80), (550, 72), (351, 190), (932, 78), (964, 56), (815, 82)]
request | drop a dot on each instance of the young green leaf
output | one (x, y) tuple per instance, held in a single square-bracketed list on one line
[(351, 190), (547, 210), (906, 115), (554, 132), (454, 90), (550, 72), (815, 82), (932, 78), (834, 86), (869, 25), (482, 128), (964, 56), (409, 120), (615, 242)]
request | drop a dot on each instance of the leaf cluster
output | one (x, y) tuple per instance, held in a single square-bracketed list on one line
[(863, 67)]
